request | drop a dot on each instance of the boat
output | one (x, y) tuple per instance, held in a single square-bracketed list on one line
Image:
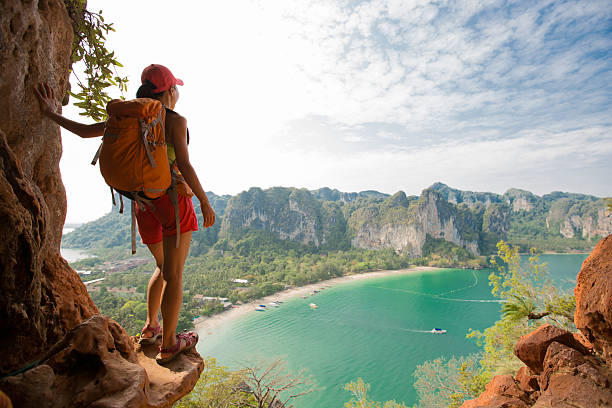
[(262, 305), (260, 309), (313, 306), (304, 297), (438, 331), (273, 304)]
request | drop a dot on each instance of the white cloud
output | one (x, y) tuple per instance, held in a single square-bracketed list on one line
[(311, 93)]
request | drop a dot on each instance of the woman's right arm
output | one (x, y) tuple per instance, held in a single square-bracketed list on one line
[(47, 101)]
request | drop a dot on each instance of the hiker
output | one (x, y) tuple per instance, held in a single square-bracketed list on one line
[(157, 225)]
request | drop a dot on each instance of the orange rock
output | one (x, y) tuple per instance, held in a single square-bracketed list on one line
[(501, 391), (526, 380), (88, 368), (531, 348), (594, 298)]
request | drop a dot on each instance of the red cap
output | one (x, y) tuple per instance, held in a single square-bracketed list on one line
[(159, 76)]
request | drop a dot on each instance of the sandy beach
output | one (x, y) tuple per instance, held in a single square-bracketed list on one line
[(207, 325)]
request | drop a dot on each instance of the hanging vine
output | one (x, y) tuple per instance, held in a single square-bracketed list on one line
[(88, 46)]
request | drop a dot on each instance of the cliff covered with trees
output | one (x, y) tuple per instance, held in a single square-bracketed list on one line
[(332, 220)]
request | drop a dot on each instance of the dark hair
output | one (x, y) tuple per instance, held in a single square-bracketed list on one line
[(146, 91)]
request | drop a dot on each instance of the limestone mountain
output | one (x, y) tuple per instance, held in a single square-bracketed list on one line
[(331, 219)]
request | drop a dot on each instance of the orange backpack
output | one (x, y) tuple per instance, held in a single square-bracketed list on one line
[(133, 155)]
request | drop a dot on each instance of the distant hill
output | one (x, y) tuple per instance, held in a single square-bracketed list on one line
[(331, 219)]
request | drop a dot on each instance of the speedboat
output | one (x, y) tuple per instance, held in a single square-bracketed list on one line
[(438, 331), (273, 304), (313, 306), (260, 309), (262, 305)]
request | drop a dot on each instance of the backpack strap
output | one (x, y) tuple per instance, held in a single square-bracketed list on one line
[(97, 156), (133, 208), (145, 130)]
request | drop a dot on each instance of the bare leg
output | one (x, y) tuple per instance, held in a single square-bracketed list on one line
[(172, 298), (155, 289)]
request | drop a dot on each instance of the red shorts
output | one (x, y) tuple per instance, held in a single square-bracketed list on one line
[(155, 224)]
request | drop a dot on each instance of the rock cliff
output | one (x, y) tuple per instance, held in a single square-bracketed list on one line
[(332, 219), (47, 319), (404, 225), (564, 369), (287, 212)]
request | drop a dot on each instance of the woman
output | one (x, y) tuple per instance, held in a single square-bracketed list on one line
[(157, 226)]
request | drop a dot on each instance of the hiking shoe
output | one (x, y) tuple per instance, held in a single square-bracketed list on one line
[(156, 333), (184, 341)]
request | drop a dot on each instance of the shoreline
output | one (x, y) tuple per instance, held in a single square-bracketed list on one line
[(206, 325)]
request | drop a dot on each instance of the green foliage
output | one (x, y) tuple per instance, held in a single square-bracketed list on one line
[(88, 47), (359, 397), (444, 253), (217, 387), (528, 293), (444, 383), (609, 204)]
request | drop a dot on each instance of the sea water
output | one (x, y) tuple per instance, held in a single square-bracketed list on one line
[(377, 329)]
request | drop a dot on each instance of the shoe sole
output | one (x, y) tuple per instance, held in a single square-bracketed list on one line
[(149, 340), (162, 361)]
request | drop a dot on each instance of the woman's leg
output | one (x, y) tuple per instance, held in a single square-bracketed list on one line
[(155, 289), (172, 298)]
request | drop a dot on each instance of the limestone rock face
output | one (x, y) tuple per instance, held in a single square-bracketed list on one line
[(42, 297), (594, 299), (47, 319), (431, 217)]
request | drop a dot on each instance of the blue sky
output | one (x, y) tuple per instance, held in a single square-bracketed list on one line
[(381, 95)]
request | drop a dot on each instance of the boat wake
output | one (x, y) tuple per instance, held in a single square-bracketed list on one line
[(359, 323), (442, 296), (464, 288)]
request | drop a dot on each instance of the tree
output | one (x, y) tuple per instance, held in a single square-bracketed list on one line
[(217, 388), (88, 47), (359, 391), (272, 386), (442, 383)]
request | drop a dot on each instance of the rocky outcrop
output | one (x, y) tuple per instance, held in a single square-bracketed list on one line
[(469, 198), (287, 212), (585, 217), (96, 364), (520, 200), (501, 391), (406, 229), (44, 307), (561, 369), (594, 299)]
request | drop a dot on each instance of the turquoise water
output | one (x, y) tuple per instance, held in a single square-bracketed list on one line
[(374, 328)]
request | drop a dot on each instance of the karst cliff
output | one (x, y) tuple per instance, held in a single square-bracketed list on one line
[(57, 351), (564, 369)]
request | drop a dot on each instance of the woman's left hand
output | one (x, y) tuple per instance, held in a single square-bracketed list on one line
[(208, 214), (46, 98)]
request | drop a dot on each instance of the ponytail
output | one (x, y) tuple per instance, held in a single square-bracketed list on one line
[(146, 91)]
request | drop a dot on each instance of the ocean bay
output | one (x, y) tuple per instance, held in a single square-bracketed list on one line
[(376, 329)]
